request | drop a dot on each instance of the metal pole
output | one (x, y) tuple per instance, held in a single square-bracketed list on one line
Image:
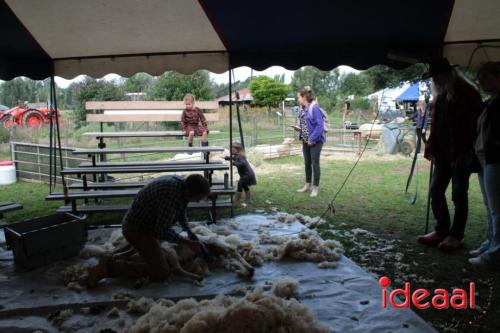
[(429, 198), (230, 127)]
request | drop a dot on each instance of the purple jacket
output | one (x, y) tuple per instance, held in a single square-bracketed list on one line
[(314, 124)]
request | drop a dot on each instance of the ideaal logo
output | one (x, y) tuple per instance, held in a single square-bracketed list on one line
[(423, 298)]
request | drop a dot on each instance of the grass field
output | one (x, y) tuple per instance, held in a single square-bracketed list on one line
[(373, 220)]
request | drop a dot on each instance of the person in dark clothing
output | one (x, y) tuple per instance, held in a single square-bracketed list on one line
[(451, 147), (488, 152), (150, 220), (247, 175)]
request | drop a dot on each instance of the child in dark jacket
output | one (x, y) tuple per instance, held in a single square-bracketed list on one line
[(247, 175)]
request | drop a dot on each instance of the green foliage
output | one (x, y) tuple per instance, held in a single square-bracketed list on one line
[(172, 86), (355, 84), (139, 82), (98, 90), (382, 76), (4, 135), (222, 89), (268, 92), (360, 103), (21, 88), (322, 83)]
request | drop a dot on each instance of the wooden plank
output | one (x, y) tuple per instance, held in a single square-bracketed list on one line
[(94, 151), (10, 207), (122, 185), (103, 194), (107, 185), (138, 134), (110, 118), (147, 163), (147, 105), (134, 134), (124, 207), (144, 169)]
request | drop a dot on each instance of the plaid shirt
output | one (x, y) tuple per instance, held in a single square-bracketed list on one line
[(157, 207)]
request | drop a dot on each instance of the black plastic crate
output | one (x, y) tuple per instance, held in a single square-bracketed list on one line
[(47, 239)]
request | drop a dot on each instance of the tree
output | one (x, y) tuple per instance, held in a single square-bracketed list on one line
[(139, 82), (323, 83), (223, 88), (355, 84), (172, 86), (20, 88), (98, 90), (268, 92), (383, 77)]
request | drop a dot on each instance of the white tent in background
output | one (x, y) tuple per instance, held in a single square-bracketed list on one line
[(386, 98)]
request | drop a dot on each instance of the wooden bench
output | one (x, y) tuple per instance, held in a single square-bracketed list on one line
[(117, 185), (135, 111), (84, 209), (141, 111), (8, 207), (103, 152), (72, 198)]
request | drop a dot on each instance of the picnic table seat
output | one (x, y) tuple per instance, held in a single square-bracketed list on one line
[(72, 197)]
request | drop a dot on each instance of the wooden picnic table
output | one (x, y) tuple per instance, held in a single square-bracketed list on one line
[(8, 207)]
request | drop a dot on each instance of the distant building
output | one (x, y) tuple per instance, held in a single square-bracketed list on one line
[(245, 97)]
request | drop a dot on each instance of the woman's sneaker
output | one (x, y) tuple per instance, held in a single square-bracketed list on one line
[(478, 261)]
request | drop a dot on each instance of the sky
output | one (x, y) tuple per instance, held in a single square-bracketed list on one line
[(240, 74)]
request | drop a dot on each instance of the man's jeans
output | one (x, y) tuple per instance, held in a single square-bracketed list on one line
[(459, 176), (489, 180)]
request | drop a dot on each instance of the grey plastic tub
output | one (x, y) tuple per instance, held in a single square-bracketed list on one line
[(44, 240)]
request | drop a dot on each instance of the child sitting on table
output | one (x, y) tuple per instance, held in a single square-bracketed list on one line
[(193, 121), (247, 175)]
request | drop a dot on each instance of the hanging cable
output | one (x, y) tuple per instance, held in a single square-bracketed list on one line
[(331, 208)]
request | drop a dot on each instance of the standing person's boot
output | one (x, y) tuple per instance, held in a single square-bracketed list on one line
[(450, 243), (314, 191), (306, 188), (248, 196), (237, 196), (431, 239)]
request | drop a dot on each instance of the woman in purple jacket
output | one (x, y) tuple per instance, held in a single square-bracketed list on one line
[(312, 135)]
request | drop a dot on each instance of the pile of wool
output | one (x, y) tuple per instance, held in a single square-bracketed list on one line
[(123, 295), (310, 222), (253, 313), (286, 288), (115, 240), (266, 238), (248, 250), (141, 305), (74, 274), (310, 247)]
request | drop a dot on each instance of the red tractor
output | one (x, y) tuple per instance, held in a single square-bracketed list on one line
[(27, 115)]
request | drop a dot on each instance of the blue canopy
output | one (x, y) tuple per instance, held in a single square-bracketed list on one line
[(411, 94)]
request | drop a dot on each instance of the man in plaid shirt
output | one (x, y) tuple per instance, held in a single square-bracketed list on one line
[(148, 221)]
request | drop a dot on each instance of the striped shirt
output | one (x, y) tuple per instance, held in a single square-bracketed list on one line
[(157, 207)]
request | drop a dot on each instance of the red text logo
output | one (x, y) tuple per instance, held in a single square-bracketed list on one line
[(423, 298)]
